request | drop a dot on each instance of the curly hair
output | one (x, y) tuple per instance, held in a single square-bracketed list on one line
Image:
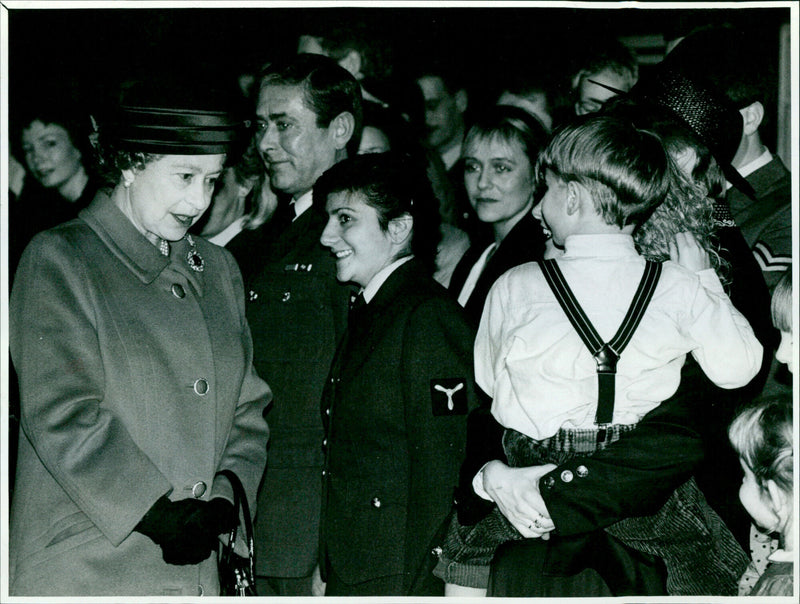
[(686, 208)]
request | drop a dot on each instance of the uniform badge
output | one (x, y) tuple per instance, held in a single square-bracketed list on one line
[(449, 396)]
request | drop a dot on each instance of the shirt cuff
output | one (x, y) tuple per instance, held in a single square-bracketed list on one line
[(477, 484)]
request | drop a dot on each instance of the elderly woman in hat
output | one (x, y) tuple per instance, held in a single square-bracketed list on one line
[(135, 370)]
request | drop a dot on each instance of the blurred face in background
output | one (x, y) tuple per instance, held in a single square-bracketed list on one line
[(444, 120), (373, 140), (50, 155), (592, 93), (499, 180)]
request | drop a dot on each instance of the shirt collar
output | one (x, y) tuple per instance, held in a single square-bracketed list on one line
[(380, 278), (451, 156), (781, 555), (753, 165), (302, 203), (599, 245)]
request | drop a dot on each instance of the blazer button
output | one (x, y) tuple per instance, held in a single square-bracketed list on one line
[(549, 482), (178, 291), (199, 489), (286, 296), (201, 387), (376, 502), (582, 471), (566, 476), (328, 411)]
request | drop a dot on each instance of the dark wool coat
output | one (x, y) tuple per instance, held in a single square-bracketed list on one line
[(136, 381), (395, 438)]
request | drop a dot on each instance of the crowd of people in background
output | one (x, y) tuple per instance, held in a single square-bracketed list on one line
[(522, 347)]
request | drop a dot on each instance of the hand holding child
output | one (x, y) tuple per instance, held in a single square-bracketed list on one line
[(516, 493), (686, 251)]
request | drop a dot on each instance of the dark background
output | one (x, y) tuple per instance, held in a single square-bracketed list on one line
[(95, 48)]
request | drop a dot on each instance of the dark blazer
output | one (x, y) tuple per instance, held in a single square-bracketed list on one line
[(394, 445), (524, 243), (297, 312), (767, 223)]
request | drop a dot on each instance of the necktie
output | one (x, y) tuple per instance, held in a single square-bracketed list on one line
[(357, 303)]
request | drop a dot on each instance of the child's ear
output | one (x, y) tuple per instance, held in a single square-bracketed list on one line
[(780, 502), (574, 194)]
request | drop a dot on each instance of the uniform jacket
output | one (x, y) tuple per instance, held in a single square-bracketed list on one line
[(395, 438), (767, 223), (524, 243), (136, 381), (297, 311)]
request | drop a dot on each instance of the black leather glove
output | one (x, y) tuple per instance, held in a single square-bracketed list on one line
[(186, 530)]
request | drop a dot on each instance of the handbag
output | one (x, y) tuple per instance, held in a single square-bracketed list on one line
[(236, 576)]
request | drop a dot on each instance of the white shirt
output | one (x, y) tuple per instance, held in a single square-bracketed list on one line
[(451, 156), (475, 274), (302, 203), (380, 278), (753, 165), (541, 376)]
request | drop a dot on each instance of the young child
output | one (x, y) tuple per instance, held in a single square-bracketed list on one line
[(763, 544), (604, 177), (762, 435), (782, 318)]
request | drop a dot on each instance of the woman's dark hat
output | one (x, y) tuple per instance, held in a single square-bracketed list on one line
[(170, 119), (709, 115)]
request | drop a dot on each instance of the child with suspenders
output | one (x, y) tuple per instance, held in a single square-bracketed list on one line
[(574, 351)]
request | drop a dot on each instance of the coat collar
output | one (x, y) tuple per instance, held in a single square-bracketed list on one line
[(123, 240)]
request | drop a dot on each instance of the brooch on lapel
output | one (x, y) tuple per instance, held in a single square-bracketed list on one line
[(449, 396)]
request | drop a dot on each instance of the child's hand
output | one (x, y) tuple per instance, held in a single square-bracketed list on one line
[(685, 251)]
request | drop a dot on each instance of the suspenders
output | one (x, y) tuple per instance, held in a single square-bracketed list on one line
[(606, 354)]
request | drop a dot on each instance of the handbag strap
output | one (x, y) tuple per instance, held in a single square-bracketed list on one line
[(240, 503), (606, 354)]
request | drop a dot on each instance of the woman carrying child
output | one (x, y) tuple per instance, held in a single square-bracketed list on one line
[(604, 177)]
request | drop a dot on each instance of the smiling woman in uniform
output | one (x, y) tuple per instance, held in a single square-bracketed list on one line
[(400, 386), (135, 370)]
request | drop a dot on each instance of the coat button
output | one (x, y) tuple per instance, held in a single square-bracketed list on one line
[(178, 291), (324, 442), (328, 411), (376, 502), (549, 482), (199, 489), (286, 296), (324, 472), (566, 476), (201, 387), (582, 471)]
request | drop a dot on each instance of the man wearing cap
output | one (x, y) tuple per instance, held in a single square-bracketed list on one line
[(734, 64), (308, 115)]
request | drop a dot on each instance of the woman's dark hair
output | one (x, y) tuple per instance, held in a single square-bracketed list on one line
[(395, 185), (510, 124), (61, 110)]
